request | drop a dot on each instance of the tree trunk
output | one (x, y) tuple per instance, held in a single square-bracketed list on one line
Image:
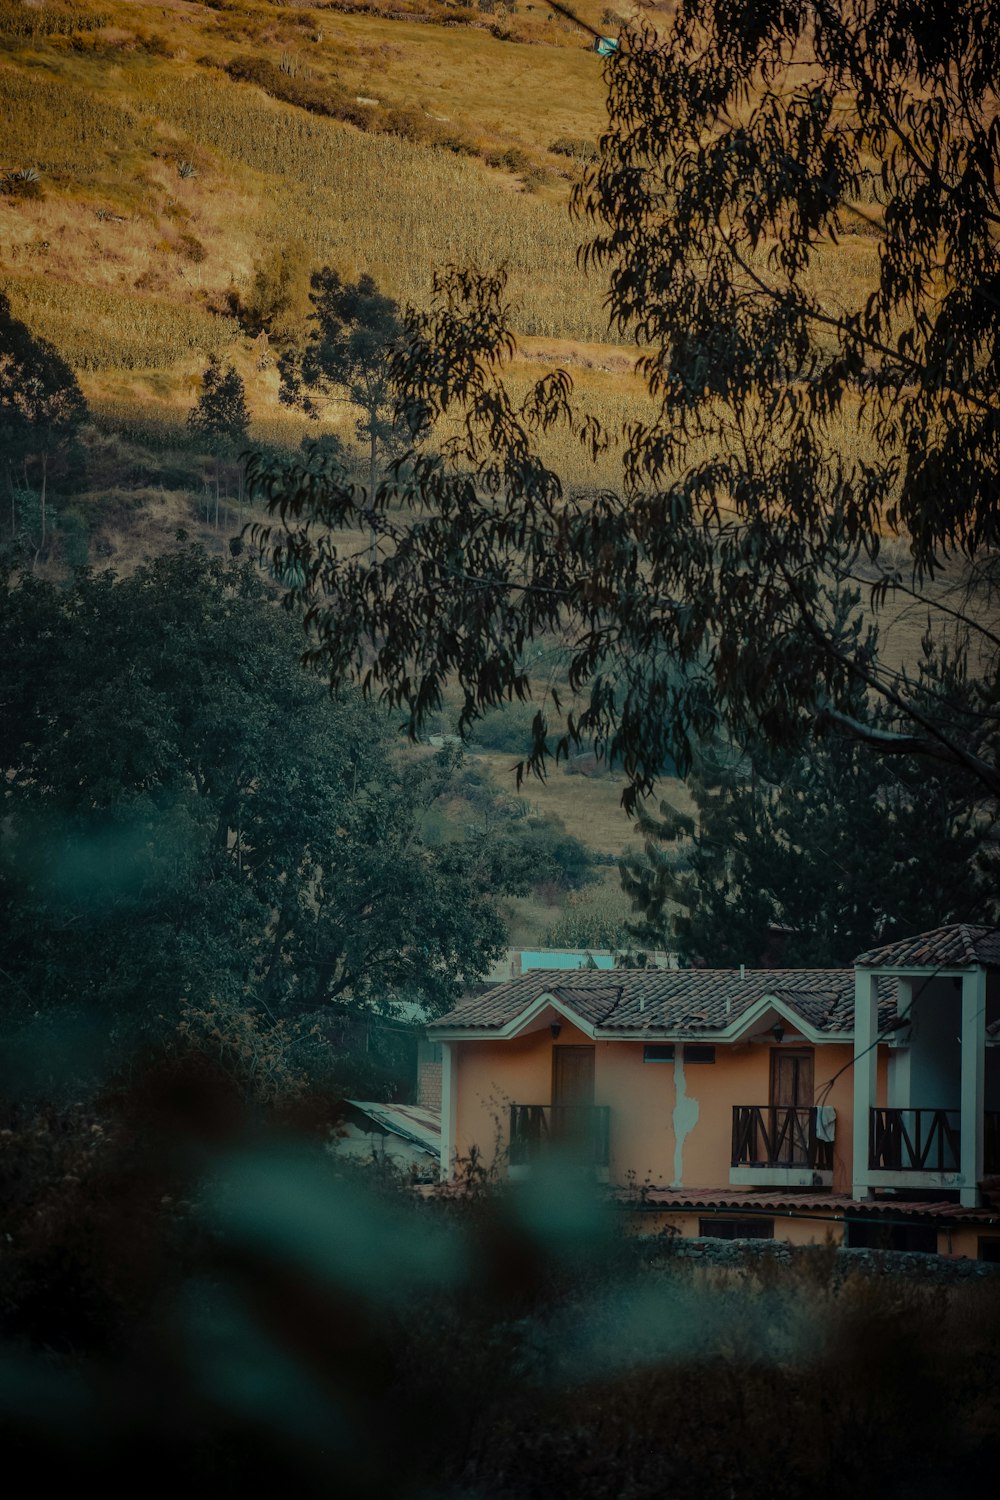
[(42, 498), (372, 484)]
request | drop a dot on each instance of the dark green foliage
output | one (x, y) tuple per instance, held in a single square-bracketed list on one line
[(353, 330), (808, 860), (187, 815), (41, 411), (719, 587), (506, 728), (221, 416)]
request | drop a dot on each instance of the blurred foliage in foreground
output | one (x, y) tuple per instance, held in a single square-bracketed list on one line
[(187, 1301)]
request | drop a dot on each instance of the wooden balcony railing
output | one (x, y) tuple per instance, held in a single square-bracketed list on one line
[(578, 1131), (778, 1135), (914, 1140)]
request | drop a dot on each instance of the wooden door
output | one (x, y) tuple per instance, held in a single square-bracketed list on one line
[(791, 1090), (572, 1098), (573, 1075)]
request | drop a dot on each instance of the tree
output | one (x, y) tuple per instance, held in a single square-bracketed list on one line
[(221, 417), (809, 859), (353, 331), (719, 587), (41, 411), (187, 814)]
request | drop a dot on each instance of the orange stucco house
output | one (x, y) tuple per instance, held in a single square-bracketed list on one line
[(810, 1103)]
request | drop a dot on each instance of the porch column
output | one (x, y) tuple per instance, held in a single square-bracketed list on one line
[(449, 1103), (865, 1072), (898, 1082), (973, 1082)]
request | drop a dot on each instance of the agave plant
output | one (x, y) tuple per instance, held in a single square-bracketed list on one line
[(186, 169), (24, 183)]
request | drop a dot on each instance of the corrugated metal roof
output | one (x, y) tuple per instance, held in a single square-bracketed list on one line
[(411, 1121), (957, 946)]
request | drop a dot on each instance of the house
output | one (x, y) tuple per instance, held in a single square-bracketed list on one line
[(862, 1103)]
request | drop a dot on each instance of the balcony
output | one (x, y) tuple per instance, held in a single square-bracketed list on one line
[(915, 1140), (776, 1145), (922, 1148), (578, 1133)]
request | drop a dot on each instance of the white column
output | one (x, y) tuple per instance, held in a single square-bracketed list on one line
[(898, 1082), (973, 1082), (865, 1072), (449, 1103)]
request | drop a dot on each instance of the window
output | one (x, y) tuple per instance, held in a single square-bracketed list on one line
[(698, 1052), (989, 1248), (871, 1235), (658, 1052), (736, 1229)]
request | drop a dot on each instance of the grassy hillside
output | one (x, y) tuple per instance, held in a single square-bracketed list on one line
[(183, 151)]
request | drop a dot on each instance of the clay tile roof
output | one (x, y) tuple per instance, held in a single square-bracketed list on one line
[(644, 1002), (829, 1205), (957, 946), (589, 996)]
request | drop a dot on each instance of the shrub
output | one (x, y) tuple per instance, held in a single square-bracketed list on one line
[(191, 248), (507, 729), (25, 183), (577, 147)]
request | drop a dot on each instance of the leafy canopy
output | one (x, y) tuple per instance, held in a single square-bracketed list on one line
[(221, 415), (810, 859), (719, 587), (187, 814), (41, 404), (352, 331)]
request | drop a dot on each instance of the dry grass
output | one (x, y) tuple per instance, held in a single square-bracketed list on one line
[(589, 806)]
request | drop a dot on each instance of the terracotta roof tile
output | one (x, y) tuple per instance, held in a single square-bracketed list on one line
[(737, 1200), (957, 946), (644, 1002)]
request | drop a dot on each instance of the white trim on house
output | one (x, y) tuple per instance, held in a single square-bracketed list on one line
[(449, 1111), (973, 1085)]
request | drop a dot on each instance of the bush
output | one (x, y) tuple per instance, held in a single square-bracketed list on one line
[(23, 184), (506, 729), (577, 147)]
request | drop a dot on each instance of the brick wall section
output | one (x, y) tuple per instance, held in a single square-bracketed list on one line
[(429, 1085)]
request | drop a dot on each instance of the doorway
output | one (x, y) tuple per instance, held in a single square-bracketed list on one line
[(573, 1076), (789, 1123)]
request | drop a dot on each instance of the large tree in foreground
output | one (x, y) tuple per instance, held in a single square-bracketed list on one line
[(718, 587), (187, 816)]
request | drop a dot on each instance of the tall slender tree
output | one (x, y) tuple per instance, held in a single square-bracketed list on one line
[(353, 330), (221, 417)]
